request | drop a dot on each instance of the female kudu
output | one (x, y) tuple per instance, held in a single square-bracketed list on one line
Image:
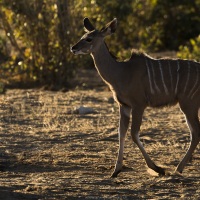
[(143, 81)]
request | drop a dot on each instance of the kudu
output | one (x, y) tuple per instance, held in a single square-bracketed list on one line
[(141, 82)]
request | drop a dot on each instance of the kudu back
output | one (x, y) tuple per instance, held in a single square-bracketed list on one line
[(141, 82)]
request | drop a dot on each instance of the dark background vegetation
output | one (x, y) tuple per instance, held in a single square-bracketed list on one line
[(36, 35)]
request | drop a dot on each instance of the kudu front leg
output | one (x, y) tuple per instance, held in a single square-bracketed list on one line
[(137, 114), (123, 126)]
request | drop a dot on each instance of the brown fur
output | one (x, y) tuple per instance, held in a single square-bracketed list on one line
[(144, 81)]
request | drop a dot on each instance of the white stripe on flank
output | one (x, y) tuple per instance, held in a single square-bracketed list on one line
[(154, 78), (188, 76), (162, 77), (149, 76), (171, 77), (177, 77), (195, 85), (195, 93)]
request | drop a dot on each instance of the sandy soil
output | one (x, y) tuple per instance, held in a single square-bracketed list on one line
[(48, 151)]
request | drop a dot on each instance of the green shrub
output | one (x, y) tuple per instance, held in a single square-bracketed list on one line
[(190, 51)]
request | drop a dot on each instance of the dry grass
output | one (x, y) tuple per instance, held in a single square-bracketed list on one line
[(48, 152)]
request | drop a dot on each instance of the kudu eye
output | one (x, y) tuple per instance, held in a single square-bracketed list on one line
[(88, 40)]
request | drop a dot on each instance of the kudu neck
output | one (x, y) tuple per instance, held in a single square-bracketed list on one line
[(105, 62)]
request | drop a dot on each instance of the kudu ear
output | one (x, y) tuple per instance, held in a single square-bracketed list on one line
[(88, 25), (109, 28)]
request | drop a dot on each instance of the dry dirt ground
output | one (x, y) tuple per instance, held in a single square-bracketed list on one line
[(48, 151)]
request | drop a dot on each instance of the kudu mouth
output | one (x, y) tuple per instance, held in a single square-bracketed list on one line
[(77, 51)]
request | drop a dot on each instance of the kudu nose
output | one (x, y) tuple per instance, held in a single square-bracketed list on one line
[(72, 50)]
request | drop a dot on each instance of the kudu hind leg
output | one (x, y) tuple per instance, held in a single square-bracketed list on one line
[(136, 122), (191, 115), (123, 126)]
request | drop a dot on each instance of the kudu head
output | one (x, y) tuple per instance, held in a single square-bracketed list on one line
[(93, 38)]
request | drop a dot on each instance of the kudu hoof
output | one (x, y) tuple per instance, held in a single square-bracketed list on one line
[(161, 171), (178, 174), (115, 174)]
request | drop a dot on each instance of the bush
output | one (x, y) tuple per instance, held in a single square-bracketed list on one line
[(191, 50), (39, 33)]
